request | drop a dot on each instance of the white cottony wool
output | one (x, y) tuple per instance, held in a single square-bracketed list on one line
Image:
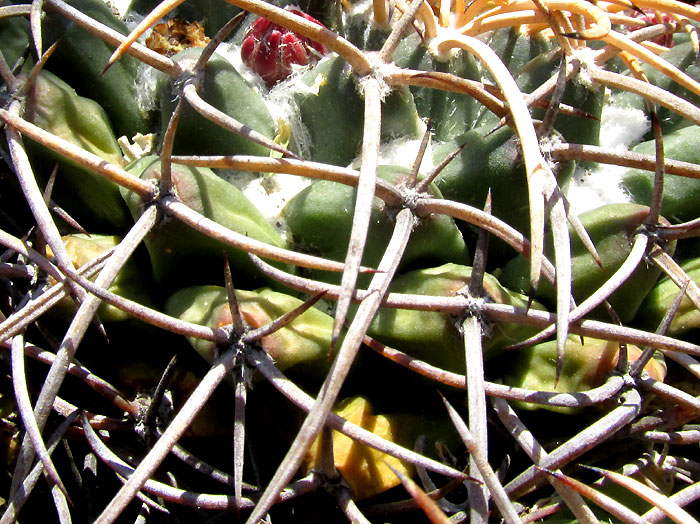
[(621, 128)]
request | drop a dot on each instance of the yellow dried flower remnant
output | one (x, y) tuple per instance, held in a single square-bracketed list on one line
[(173, 36), (129, 282), (365, 469)]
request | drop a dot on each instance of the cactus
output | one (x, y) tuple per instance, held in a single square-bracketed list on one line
[(55, 107), (587, 366), (612, 228), (349, 226)]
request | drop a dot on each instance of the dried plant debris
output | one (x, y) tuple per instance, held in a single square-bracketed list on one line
[(171, 37), (380, 261)]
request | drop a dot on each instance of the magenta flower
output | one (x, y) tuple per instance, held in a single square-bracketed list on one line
[(270, 49)]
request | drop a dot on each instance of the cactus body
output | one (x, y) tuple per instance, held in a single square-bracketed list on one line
[(304, 341), (660, 299), (450, 114), (683, 57), (332, 97), (680, 197), (14, 39), (612, 229), (176, 250), (434, 336), (227, 91), (586, 366), (320, 217), (91, 199), (82, 56), (483, 77)]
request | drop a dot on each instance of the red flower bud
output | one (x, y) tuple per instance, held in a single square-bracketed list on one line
[(652, 17), (270, 49)]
